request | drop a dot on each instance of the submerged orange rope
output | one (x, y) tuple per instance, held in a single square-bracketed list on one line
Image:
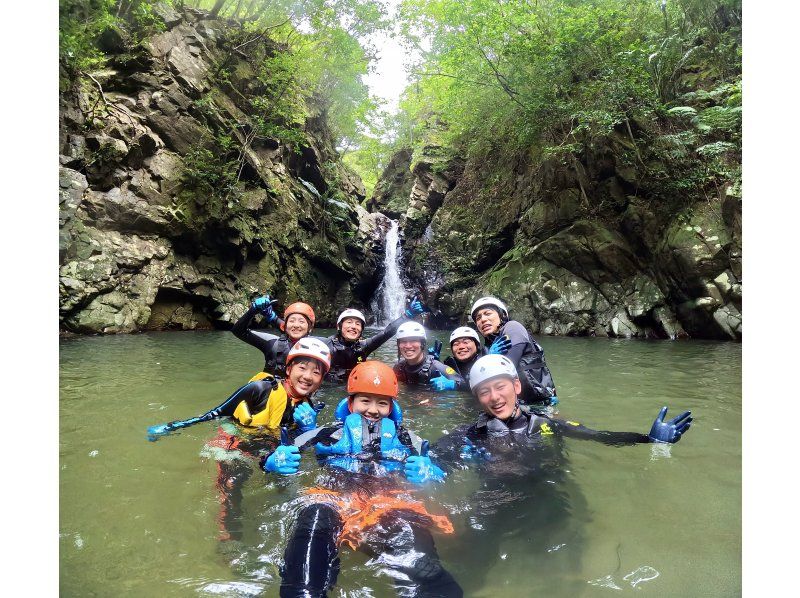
[(360, 511)]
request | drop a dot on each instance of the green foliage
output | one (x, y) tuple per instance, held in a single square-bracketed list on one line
[(683, 112), (80, 23), (553, 78), (718, 148), (280, 107), (210, 190)]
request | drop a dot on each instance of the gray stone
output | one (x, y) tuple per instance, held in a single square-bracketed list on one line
[(167, 14)]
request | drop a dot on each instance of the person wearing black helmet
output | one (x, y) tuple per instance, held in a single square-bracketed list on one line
[(492, 321), (347, 346)]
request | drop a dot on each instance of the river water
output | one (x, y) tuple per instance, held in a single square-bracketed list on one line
[(138, 518)]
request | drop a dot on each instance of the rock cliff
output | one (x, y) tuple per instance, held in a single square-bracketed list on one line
[(616, 239), (175, 210)]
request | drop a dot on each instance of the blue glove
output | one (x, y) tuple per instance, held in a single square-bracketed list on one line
[(436, 350), (264, 305), (554, 400), (672, 430), (415, 307), (305, 416), (419, 469), (285, 460), (349, 443), (153, 432), (470, 451), (500, 346), (440, 383)]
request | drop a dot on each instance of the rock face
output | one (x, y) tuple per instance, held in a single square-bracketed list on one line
[(391, 194), (585, 246), (136, 254)]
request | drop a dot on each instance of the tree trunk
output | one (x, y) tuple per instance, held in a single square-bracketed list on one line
[(217, 7)]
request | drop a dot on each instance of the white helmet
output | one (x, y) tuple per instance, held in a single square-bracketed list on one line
[(489, 301), (465, 332), (411, 330), (308, 346), (491, 366), (351, 313)]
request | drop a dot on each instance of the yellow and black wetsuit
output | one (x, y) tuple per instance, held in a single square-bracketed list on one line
[(259, 408)]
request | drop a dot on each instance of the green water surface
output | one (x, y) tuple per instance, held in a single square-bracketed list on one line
[(138, 518)]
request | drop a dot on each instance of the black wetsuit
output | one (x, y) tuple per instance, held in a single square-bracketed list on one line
[(346, 354), (528, 357), (527, 427), (462, 368), (275, 348), (401, 539), (527, 495), (425, 370)]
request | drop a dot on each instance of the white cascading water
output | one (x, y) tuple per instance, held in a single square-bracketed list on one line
[(391, 295)]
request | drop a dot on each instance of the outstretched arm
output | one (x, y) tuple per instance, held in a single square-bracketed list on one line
[(661, 431), (384, 335), (226, 408)]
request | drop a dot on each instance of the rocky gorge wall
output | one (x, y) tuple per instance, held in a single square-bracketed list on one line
[(139, 249), (598, 243)]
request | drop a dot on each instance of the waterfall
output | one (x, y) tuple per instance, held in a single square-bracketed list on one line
[(390, 299)]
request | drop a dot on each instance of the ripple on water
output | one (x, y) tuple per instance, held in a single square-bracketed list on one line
[(610, 494)]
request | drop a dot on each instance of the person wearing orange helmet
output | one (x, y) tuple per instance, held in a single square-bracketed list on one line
[(363, 452), (298, 321)]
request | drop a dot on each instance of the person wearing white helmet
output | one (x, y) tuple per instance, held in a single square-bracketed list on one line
[(505, 336), (523, 452), (465, 346), (415, 365), (347, 346), (257, 410), (497, 386)]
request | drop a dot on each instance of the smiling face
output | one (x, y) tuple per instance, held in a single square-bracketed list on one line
[(373, 407), (464, 348), (296, 326), (498, 396), (487, 321), (304, 374), (351, 329), (411, 350)]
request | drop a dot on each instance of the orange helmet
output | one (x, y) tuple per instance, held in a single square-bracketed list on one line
[(304, 309), (373, 377)]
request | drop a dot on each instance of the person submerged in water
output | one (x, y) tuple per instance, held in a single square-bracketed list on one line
[(492, 321), (298, 321), (465, 346), (361, 502), (415, 365), (347, 346), (258, 410), (495, 383), (528, 493)]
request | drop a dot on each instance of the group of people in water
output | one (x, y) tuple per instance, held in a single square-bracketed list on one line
[(365, 450)]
